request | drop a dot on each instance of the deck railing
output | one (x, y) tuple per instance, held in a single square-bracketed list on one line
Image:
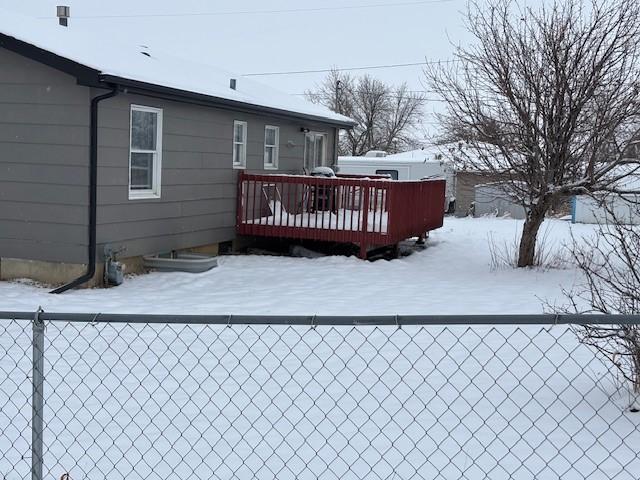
[(366, 212)]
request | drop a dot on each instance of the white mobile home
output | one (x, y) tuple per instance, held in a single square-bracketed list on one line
[(413, 165)]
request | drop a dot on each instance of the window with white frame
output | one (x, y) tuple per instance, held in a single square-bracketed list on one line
[(145, 152), (271, 146), (239, 144), (314, 150)]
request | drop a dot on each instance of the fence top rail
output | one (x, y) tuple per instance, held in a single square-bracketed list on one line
[(326, 320)]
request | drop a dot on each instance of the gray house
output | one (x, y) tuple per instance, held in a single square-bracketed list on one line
[(107, 144)]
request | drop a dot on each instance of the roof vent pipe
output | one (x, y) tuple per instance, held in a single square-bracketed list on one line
[(63, 13), (232, 83)]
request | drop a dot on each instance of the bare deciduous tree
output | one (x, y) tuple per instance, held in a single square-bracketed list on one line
[(610, 263), (386, 116), (553, 90)]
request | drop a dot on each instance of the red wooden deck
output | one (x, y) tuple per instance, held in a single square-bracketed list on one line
[(365, 212)]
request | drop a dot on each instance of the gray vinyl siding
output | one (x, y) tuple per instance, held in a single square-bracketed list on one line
[(198, 195), (44, 149), (44, 168)]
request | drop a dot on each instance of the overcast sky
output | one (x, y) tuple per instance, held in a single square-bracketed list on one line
[(243, 37)]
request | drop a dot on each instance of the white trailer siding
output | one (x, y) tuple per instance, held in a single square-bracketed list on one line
[(361, 168)]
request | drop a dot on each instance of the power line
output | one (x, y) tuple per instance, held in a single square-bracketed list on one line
[(369, 67), (261, 12), (408, 92), (310, 92), (413, 92)]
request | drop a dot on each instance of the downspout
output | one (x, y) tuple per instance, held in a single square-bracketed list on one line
[(93, 194)]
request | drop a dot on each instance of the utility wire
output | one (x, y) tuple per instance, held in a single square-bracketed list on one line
[(260, 12), (313, 94), (328, 96), (320, 94), (370, 67)]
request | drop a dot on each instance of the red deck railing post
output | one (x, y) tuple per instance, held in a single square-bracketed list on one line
[(240, 198), (365, 222), (391, 201)]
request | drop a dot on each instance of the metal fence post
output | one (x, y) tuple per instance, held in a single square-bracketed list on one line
[(37, 413)]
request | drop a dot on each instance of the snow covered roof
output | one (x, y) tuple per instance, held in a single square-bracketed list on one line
[(82, 51), (424, 155), (430, 154)]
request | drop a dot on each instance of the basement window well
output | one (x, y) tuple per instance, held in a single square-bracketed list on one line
[(145, 152)]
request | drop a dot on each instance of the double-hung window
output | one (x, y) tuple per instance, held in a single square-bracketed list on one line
[(145, 152), (271, 146), (239, 144), (314, 150)]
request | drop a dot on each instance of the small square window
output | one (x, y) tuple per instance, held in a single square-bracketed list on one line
[(271, 146), (239, 144), (145, 152)]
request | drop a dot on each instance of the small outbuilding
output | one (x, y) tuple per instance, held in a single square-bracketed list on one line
[(604, 208), (494, 199)]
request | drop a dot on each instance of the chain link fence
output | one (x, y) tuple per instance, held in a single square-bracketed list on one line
[(141, 397)]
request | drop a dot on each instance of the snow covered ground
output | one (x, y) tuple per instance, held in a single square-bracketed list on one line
[(154, 402), (453, 275)]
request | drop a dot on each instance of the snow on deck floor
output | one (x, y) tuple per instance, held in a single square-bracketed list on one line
[(451, 276), (342, 219)]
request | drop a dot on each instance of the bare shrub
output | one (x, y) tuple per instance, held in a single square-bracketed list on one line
[(610, 264), (550, 254)]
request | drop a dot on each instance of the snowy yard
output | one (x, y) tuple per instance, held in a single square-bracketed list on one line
[(452, 275), (154, 401)]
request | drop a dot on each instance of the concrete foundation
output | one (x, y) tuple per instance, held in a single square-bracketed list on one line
[(49, 273), (56, 274)]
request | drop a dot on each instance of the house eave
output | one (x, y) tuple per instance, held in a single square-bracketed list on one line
[(169, 93), (83, 74)]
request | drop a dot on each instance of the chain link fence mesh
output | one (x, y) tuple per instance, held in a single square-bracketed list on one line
[(15, 399), (156, 401)]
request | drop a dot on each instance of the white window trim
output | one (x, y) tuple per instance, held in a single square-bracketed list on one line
[(154, 192), (242, 163), (276, 148), (324, 147)]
